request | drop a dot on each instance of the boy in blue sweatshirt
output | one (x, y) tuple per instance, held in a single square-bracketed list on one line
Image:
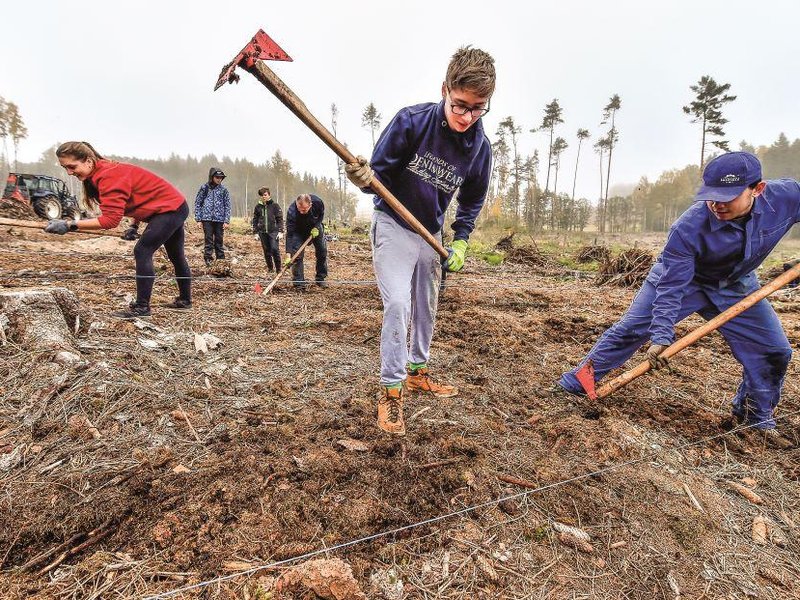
[(426, 154), (708, 265)]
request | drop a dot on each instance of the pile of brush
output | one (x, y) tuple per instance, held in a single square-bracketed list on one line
[(587, 254), (11, 209), (629, 268), (528, 255)]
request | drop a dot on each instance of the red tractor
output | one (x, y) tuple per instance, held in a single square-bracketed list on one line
[(48, 196)]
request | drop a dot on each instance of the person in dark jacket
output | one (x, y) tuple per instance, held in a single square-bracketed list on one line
[(268, 225), (427, 153), (304, 218), (707, 265), (212, 208)]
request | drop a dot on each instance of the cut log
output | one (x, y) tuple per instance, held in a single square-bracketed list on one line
[(40, 319)]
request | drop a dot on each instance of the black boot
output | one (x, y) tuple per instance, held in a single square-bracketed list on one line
[(134, 311)]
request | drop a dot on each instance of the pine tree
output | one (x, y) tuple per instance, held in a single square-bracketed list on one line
[(371, 119), (707, 110)]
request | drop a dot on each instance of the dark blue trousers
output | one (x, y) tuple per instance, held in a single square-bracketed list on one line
[(755, 337)]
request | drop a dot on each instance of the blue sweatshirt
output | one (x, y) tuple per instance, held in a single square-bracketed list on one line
[(702, 251), (423, 163)]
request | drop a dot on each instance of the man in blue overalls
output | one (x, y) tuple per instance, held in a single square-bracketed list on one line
[(707, 265)]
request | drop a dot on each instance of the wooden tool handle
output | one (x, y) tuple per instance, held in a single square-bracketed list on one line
[(702, 331), (291, 262), (289, 99), (40, 225)]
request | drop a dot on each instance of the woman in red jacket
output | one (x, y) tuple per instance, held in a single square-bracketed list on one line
[(121, 189)]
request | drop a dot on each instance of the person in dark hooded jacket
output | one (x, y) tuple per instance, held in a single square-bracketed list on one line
[(268, 227), (212, 208)]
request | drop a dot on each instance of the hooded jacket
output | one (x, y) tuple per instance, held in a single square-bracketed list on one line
[(267, 217), (424, 163), (213, 202)]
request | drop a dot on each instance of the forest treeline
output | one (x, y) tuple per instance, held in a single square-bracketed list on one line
[(524, 191), (651, 206), (243, 178)]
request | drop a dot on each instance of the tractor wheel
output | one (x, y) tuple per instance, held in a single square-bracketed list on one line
[(72, 213), (48, 207)]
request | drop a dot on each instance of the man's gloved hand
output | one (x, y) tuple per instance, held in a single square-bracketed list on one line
[(359, 173), (59, 226), (789, 265), (131, 233), (314, 232), (287, 261), (654, 357), (279, 237), (455, 262)]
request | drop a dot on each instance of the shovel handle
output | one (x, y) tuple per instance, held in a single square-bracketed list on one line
[(285, 268), (41, 225), (289, 99), (702, 331)]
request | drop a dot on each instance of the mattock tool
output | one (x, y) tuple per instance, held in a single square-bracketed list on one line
[(286, 267), (585, 374), (251, 59)]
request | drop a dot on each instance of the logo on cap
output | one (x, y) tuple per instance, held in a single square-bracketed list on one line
[(730, 179)]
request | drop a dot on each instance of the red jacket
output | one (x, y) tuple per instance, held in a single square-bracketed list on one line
[(131, 191)]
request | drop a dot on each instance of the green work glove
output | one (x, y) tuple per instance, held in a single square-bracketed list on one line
[(654, 356), (314, 232), (455, 262), (287, 261)]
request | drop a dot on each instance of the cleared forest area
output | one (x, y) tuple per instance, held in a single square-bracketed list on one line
[(173, 452)]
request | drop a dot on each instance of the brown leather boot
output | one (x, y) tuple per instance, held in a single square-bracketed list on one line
[(421, 380), (390, 411)]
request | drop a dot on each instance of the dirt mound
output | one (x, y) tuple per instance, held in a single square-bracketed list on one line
[(220, 268), (588, 254), (506, 243), (11, 209), (629, 268)]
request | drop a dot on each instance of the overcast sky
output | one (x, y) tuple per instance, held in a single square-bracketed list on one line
[(136, 78)]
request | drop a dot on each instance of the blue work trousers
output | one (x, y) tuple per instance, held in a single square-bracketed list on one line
[(755, 337)]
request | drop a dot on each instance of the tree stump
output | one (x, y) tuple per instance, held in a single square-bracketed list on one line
[(39, 319)]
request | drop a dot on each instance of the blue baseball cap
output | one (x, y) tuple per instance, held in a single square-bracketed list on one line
[(727, 176)]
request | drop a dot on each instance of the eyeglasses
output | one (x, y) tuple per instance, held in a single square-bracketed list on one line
[(460, 109)]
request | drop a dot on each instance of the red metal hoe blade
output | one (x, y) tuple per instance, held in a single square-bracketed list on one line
[(585, 376), (261, 47)]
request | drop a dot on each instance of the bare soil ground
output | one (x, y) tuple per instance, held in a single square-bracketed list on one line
[(148, 466)]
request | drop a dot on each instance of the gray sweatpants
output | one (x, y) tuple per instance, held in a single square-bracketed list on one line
[(408, 271)]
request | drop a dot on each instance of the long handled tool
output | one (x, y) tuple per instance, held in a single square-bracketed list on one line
[(251, 58), (286, 267), (586, 373), (40, 226)]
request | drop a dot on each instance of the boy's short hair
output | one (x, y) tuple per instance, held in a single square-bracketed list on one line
[(471, 69), (263, 190)]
